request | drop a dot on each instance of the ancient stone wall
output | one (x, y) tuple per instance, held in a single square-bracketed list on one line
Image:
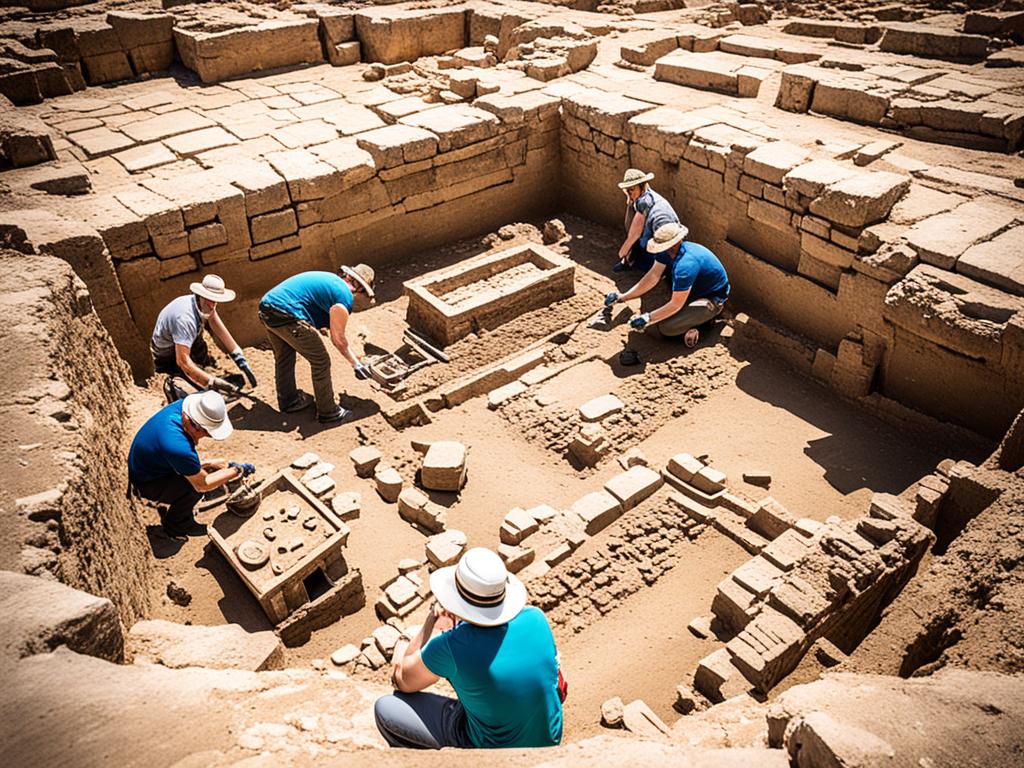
[(65, 413)]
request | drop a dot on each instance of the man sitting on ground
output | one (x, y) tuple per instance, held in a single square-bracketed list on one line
[(179, 347), (700, 285), (499, 657), (646, 210), (164, 466), (293, 312)]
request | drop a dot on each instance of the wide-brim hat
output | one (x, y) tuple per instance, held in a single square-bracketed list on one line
[(666, 236), (362, 274), (479, 589), (634, 177), (212, 288), (207, 409)]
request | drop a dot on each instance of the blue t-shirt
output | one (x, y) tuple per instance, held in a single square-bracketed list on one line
[(506, 678), (657, 210), (161, 448), (697, 270), (309, 296)]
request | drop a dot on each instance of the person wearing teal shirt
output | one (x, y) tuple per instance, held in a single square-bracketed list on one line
[(294, 312), (499, 655)]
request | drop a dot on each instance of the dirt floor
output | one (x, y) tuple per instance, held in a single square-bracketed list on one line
[(826, 458)]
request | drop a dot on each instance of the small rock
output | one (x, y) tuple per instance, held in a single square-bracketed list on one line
[(408, 564), (758, 477), (554, 230), (374, 72), (345, 655), (365, 458), (700, 626), (305, 461), (389, 483), (688, 700), (179, 595), (346, 505), (611, 712), (318, 664)]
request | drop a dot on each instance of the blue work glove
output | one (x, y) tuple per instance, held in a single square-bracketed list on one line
[(611, 298), (640, 321), (245, 469), (243, 366), (362, 371)]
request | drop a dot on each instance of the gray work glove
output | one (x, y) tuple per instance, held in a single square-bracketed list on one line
[(243, 366)]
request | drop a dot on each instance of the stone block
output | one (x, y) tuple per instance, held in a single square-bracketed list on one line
[(732, 603), (771, 518), (166, 125), (634, 485), (597, 510), (998, 262), (273, 226), (772, 161), (517, 525), (786, 550), (797, 88), (515, 557), (850, 99), (227, 646), (757, 575), (386, 637), (321, 485), (684, 466), (600, 408), (640, 719), (861, 199), (388, 482), (347, 505), (501, 395), (708, 479), (589, 445), (932, 41), (271, 43), (811, 178), (444, 466), (940, 240), (392, 35), (607, 113), (364, 459), (455, 125), (446, 548)]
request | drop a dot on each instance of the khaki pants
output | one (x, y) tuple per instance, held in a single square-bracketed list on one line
[(302, 338), (696, 313)]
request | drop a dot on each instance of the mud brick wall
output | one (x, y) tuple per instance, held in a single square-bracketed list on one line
[(863, 266), (65, 416)]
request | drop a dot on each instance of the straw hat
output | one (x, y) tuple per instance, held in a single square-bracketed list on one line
[(212, 288), (362, 274), (479, 589), (207, 409), (633, 177), (666, 236)]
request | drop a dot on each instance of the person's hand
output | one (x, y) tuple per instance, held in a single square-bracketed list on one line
[(611, 298), (640, 321), (243, 366), (362, 371), (223, 386), (244, 469)]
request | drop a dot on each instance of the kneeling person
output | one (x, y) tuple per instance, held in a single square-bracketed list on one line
[(500, 658), (700, 285), (164, 465)]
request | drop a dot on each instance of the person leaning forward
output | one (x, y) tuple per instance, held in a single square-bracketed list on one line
[(164, 464), (178, 346), (293, 312), (499, 656), (646, 210), (700, 285)]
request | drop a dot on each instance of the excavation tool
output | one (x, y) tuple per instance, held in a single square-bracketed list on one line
[(390, 370), (245, 499)]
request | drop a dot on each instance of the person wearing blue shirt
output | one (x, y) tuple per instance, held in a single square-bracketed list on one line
[(294, 312), (498, 654), (164, 465), (700, 285), (646, 210)]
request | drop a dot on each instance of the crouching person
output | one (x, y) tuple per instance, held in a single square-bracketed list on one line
[(499, 657)]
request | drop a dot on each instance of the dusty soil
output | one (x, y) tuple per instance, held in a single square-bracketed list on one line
[(826, 458)]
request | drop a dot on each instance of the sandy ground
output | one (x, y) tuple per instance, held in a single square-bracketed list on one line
[(826, 457)]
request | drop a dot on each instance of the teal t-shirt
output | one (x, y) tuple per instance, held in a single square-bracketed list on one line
[(309, 296), (506, 678)]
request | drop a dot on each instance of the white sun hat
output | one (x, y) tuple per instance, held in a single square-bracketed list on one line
[(634, 177), (666, 236), (207, 409), (212, 288), (479, 589), (362, 274)]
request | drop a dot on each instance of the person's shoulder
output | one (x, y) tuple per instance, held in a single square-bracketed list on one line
[(533, 616)]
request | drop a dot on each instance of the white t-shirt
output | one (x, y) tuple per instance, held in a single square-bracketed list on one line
[(178, 323)]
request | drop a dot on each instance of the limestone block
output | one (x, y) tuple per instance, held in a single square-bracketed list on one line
[(732, 603), (227, 646), (365, 458), (634, 485), (144, 157), (718, 678), (273, 226), (496, 397), (589, 445), (386, 637), (216, 56), (851, 99), (345, 655), (708, 71), (797, 88), (344, 54), (517, 525), (932, 41), (148, 39), (597, 510), (97, 142), (757, 575), (798, 600), (941, 239), (444, 466), (771, 518), (684, 466), (394, 35), (347, 505), (308, 177), (600, 408), (605, 112), (388, 482), (647, 51), (396, 144), (411, 502), (861, 199), (998, 262), (772, 161), (787, 549), (455, 125), (515, 557), (321, 485), (640, 719), (446, 548), (708, 479), (263, 187), (811, 178)]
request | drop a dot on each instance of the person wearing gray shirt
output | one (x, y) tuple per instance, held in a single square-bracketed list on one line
[(646, 210), (178, 345)]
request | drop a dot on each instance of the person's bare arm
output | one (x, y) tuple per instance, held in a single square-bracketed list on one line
[(648, 281), (408, 672), (221, 333), (636, 228), (676, 302), (211, 465), (183, 357), (204, 481), (339, 319)]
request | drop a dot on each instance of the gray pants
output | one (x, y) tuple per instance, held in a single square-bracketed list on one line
[(299, 337), (421, 721), (697, 312)]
